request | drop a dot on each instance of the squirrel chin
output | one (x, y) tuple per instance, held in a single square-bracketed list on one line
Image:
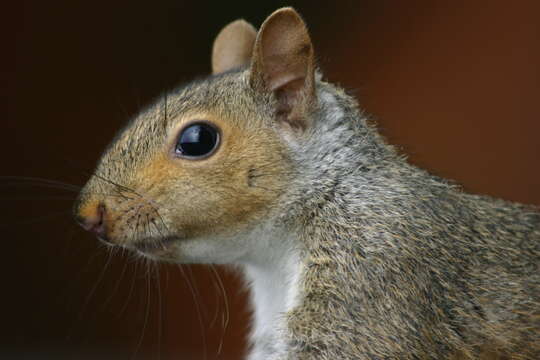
[(155, 246)]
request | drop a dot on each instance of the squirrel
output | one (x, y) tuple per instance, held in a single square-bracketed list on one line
[(350, 252)]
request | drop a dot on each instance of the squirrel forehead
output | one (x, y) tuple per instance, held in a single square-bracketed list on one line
[(227, 94), (223, 99)]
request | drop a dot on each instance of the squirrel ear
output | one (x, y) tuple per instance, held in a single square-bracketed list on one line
[(233, 46), (283, 63)]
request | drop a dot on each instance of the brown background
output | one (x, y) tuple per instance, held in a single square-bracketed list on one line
[(456, 84)]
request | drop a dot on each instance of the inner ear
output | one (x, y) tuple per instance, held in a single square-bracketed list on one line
[(283, 63), (233, 46)]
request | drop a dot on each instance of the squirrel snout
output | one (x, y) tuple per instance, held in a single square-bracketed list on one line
[(93, 220)]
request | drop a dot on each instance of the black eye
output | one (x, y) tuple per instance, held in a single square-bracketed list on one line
[(197, 140)]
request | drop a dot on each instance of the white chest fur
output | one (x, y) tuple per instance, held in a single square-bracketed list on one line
[(274, 279)]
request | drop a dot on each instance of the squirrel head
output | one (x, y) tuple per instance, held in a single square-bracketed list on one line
[(209, 161)]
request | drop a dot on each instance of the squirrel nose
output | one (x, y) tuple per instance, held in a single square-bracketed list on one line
[(95, 222)]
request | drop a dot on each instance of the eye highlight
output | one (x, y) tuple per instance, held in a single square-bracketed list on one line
[(197, 140)]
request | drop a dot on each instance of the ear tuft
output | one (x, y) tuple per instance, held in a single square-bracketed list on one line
[(283, 63), (233, 46)]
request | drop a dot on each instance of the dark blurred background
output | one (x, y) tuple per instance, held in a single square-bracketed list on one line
[(455, 84)]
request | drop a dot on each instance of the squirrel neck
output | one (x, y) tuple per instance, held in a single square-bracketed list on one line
[(348, 207), (273, 271), (342, 147), (275, 267)]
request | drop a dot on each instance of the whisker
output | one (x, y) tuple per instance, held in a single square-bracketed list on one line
[(153, 221), (160, 310), (128, 298), (36, 220), (21, 181), (147, 223), (26, 181), (225, 320), (146, 315), (137, 224), (94, 288), (116, 286), (198, 310), (40, 180), (121, 187), (160, 217), (225, 298), (41, 198)]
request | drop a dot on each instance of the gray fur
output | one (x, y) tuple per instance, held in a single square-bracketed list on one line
[(393, 263), (402, 264)]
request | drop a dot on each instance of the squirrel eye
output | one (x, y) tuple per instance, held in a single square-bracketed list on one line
[(197, 140)]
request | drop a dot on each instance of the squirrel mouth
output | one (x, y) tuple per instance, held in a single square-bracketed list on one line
[(155, 245)]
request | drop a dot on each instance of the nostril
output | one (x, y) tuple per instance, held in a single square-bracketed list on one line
[(101, 216), (94, 222)]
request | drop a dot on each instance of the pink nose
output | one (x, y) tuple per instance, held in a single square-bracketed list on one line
[(95, 222)]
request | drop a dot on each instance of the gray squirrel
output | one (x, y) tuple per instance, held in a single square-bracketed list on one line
[(350, 252)]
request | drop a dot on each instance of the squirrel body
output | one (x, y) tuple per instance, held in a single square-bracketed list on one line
[(350, 251)]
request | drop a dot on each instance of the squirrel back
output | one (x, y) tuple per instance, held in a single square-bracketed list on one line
[(350, 252)]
